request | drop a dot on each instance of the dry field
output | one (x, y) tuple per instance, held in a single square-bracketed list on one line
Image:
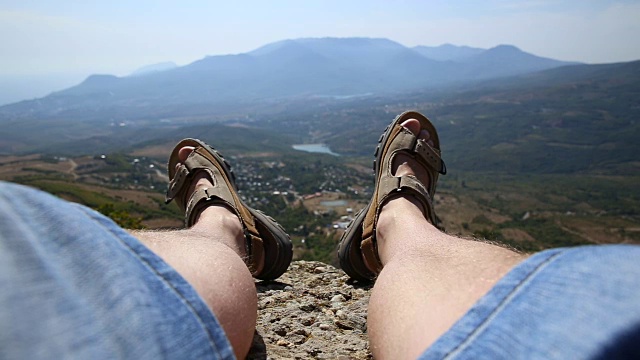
[(521, 215)]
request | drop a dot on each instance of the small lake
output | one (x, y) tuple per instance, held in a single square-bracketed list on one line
[(333, 203), (315, 148)]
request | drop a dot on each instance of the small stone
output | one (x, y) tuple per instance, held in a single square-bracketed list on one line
[(266, 317), (324, 327), (338, 298), (328, 312), (319, 270), (337, 305), (288, 287), (351, 322), (282, 342), (263, 303)]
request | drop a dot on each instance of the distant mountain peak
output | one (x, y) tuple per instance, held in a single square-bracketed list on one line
[(349, 41), (326, 42), (265, 49), (99, 79), (505, 48), (154, 68)]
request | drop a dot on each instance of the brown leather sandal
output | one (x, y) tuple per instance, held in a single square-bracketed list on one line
[(358, 251), (263, 234)]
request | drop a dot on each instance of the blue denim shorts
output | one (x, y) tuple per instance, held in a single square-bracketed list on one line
[(75, 285), (567, 303)]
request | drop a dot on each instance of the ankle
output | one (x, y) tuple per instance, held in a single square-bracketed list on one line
[(223, 222), (398, 212)]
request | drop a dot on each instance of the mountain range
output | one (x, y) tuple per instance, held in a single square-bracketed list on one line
[(301, 68), (515, 112)]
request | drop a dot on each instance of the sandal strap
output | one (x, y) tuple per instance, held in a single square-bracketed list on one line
[(184, 175), (408, 142), (431, 156), (177, 184), (205, 197), (411, 185), (404, 185)]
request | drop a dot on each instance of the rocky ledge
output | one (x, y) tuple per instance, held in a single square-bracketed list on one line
[(312, 311)]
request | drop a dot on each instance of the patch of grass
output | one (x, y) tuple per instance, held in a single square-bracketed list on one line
[(481, 220), (546, 232), (70, 192), (126, 213), (489, 234), (121, 217)]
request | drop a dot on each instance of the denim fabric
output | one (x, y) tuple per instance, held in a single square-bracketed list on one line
[(571, 303), (75, 285)]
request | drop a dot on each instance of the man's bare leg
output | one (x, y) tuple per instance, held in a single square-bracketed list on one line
[(209, 256), (429, 279)]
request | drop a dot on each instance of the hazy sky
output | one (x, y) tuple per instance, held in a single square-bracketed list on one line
[(47, 45)]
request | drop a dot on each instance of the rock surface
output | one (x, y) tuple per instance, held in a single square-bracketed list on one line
[(312, 311)]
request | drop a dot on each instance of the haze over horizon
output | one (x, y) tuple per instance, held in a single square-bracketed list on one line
[(51, 46)]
